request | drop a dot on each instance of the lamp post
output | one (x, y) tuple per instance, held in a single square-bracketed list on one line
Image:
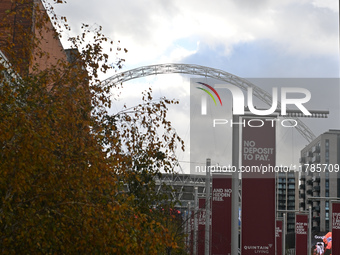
[(207, 208), (195, 220), (234, 187)]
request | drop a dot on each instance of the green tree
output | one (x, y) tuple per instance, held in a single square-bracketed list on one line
[(73, 177)]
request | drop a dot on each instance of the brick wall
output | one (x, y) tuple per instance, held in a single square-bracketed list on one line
[(16, 31)]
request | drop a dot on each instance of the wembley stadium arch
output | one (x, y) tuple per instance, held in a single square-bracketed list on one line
[(208, 72)]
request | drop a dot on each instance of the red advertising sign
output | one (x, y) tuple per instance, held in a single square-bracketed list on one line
[(279, 237), (301, 234), (335, 228), (258, 186), (201, 227), (221, 215)]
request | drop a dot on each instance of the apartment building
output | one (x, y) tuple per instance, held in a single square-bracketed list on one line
[(319, 180), (287, 196)]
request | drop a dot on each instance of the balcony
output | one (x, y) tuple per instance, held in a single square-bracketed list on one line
[(291, 216), (316, 179), (310, 182), (282, 197), (302, 204), (316, 149), (291, 186), (316, 208), (316, 159), (316, 203), (303, 178), (291, 221), (281, 175), (291, 175), (309, 192), (291, 204), (291, 192), (302, 195), (316, 188), (302, 160), (290, 228), (316, 219)]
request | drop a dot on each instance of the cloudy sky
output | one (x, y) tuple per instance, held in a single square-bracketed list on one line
[(264, 38)]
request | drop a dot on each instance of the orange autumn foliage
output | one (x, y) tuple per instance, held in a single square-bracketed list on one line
[(65, 161)]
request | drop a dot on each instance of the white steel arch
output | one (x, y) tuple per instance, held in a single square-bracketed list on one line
[(206, 72)]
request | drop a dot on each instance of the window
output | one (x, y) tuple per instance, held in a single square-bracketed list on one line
[(327, 151)]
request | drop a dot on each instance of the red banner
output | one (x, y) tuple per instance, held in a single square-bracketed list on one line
[(279, 237), (335, 228), (301, 234), (221, 215), (201, 227), (258, 186)]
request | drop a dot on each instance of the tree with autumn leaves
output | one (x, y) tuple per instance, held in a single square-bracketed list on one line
[(75, 178)]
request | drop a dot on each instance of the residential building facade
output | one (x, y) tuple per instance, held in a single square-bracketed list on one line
[(319, 181), (287, 196)]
